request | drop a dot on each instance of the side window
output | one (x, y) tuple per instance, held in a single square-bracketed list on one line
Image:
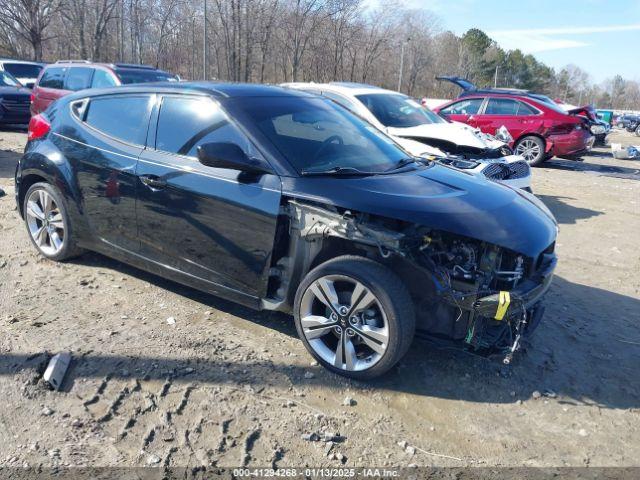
[(185, 123), (78, 78), (501, 106), (53, 78), (470, 106), (524, 109), (124, 118), (102, 79)]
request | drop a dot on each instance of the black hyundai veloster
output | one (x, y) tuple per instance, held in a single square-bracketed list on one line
[(282, 200)]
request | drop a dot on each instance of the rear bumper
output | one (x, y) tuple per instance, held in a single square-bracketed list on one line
[(575, 143)]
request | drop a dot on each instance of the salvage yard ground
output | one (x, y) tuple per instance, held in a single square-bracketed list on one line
[(166, 376)]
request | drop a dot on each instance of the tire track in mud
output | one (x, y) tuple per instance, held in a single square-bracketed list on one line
[(155, 427)]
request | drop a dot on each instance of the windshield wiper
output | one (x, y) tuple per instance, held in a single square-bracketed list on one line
[(404, 162), (337, 171)]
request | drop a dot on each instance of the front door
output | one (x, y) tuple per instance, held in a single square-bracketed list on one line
[(464, 111), (211, 224)]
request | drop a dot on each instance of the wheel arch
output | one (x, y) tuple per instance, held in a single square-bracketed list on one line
[(531, 134), (315, 234), (42, 165)]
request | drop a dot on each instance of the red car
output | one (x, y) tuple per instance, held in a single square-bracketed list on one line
[(66, 76), (539, 127)]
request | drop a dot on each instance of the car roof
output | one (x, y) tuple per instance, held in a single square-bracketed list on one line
[(216, 89), (348, 88), (504, 92), (24, 62), (113, 66)]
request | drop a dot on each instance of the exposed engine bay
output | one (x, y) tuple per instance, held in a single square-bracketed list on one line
[(467, 293)]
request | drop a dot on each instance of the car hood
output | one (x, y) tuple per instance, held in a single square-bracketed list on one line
[(441, 198), (456, 133), (417, 148)]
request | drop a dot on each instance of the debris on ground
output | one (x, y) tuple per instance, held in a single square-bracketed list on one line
[(349, 402), (46, 412), (171, 321), (309, 375), (625, 153), (311, 437), (56, 370)]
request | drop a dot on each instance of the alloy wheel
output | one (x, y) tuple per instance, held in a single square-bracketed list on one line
[(45, 222), (528, 149), (344, 323)]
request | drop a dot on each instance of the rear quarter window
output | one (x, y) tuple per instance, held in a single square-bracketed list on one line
[(124, 118), (53, 78)]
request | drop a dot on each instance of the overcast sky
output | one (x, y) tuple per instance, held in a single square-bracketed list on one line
[(600, 36)]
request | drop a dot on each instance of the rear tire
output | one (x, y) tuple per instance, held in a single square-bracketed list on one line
[(355, 317), (532, 149), (638, 131), (48, 224)]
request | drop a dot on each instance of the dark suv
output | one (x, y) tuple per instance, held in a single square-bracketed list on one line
[(630, 122), (282, 200), (65, 76)]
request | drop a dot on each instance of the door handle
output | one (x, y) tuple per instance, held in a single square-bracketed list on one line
[(153, 182)]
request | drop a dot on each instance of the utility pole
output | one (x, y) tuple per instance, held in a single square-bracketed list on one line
[(204, 44), (495, 78), (401, 63)]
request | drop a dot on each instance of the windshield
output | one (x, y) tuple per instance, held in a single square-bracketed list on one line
[(23, 70), (6, 80), (316, 135), (398, 111), (135, 75)]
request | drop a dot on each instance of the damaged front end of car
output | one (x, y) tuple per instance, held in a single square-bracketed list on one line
[(468, 293)]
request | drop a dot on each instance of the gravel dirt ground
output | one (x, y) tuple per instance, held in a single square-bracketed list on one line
[(226, 386)]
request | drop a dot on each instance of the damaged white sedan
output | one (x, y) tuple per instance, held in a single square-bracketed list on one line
[(425, 134)]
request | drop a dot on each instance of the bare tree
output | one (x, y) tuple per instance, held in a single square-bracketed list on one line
[(29, 19)]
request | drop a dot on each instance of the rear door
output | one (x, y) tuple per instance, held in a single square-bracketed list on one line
[(49, 88), (103, 147), (214, 225), (517, 116), (78, 78)]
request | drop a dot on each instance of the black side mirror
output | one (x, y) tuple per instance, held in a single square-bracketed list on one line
[(229, 155)]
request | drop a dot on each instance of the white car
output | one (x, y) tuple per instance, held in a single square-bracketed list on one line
[(424, 133), (25, 72)]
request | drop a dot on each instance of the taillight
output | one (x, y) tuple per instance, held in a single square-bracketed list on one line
[(32, 97), (39, 126)]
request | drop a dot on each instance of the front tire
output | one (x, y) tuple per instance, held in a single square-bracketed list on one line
[(531, 149), (354, 316), (48, 223)]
